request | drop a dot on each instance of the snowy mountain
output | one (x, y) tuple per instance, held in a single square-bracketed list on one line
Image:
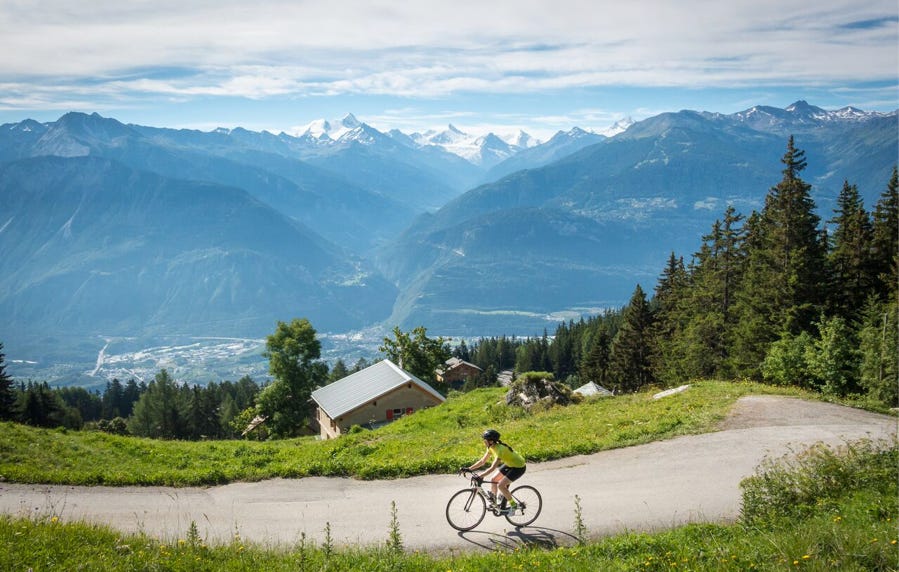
[(800, 115), (619, 126), (483, 151)]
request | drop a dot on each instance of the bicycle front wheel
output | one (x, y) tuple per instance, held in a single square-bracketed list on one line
[(530, 503), (465, 510)]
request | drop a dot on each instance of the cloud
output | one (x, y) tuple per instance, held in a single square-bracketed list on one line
[(431, 48)]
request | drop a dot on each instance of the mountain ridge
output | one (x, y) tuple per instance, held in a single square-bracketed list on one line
[(377, 230)]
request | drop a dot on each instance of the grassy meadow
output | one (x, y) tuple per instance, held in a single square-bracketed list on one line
[(436, 440)]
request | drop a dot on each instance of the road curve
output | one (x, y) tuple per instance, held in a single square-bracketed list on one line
[(660, 485)]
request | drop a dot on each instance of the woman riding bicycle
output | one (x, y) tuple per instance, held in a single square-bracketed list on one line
[(511, 466)]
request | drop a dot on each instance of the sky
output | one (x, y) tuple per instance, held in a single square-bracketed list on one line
[(482, 65)]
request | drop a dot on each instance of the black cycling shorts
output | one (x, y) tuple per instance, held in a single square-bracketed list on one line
[(512, 473)]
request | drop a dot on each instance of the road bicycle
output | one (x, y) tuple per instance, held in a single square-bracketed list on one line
[(467, 508)]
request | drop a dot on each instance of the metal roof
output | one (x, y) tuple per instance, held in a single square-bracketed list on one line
[(357, 389)]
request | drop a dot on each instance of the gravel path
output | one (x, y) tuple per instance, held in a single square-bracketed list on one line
[(659, 485)]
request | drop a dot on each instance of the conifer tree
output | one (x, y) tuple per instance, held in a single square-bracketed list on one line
[(562, 352), (886, 238), (41, 407), (7, 394), (595, 365), (338, 372), (879, 338), (851, 262), (669, 304), (161, 410), (783, 289), (112, 400), (630, 367)]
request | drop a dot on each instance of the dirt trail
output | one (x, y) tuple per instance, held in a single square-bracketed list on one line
[(659, 485)]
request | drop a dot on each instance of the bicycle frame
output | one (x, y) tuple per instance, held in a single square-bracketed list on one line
[(465, 511), (477, 488)]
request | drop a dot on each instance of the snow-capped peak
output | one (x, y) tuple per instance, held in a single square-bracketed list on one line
[(619, 126), (350, 122), (452, 135), (325, 131), (522, 139)]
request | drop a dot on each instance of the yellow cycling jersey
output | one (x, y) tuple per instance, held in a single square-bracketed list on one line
[(507, 456)]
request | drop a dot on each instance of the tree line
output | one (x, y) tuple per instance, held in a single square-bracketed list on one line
[(775, 296)]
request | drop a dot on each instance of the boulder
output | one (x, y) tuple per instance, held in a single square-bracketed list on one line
[(528, 391)]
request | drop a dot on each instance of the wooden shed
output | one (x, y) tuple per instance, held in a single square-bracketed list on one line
[(456, 372)]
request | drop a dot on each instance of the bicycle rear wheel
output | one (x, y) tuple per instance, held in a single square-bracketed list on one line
[(530, 503), (465, 510)]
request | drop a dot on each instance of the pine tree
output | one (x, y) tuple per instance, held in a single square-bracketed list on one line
[(886, 238), (595, 365), (670, 294), (161, 410), (132, 393), (113, 400), (41, 407), (783, 289), (338, 372), (630, 367), (562, 352), (851, 263), (7, 394), (879, 338)]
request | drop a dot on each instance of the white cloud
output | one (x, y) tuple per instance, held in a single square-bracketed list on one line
[(432, 48)]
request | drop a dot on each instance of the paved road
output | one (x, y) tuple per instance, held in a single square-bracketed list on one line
[(659, 485)]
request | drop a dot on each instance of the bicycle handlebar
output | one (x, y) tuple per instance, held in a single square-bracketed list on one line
[(474, 476)]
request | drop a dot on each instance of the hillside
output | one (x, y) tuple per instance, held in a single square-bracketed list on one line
[(578, 234), (93, 248)]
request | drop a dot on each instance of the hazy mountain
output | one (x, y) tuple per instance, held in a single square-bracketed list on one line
[(581, 232), (423, 178), (259, 163), (92, 247), (112, 229), (561, 144)]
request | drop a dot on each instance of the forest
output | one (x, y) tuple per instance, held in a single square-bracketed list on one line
[(779, 296)]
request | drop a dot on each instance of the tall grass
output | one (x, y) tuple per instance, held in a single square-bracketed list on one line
[(435, 440), (841, 522)]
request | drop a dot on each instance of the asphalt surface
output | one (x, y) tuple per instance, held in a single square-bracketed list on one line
[(648, 487)]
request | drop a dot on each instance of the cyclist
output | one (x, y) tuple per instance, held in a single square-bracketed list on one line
[(511, 466)]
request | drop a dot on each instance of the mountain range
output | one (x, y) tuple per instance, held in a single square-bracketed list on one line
[(110, 229)]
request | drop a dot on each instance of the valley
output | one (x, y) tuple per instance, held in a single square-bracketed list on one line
[(182, 248)]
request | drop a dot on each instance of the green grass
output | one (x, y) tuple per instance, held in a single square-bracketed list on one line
[(436, 440), (818, 515)]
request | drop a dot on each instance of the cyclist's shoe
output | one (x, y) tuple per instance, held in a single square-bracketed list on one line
[(491, 497)]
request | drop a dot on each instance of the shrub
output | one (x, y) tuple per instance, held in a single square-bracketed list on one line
[(794, 487)]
